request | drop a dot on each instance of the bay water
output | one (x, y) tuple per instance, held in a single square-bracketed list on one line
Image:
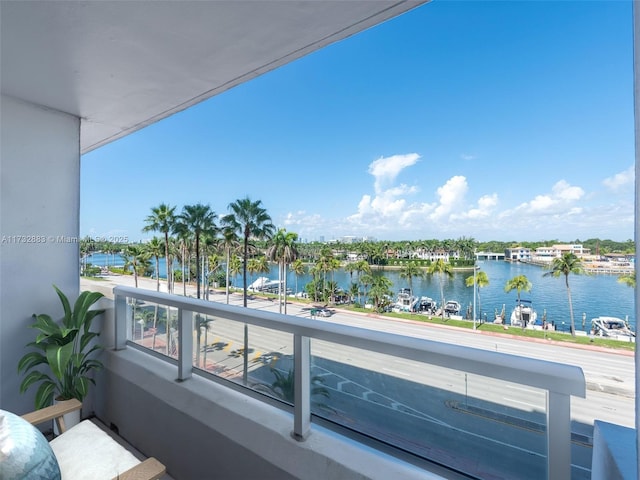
[(592, 295)]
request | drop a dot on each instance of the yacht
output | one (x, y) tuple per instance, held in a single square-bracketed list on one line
[(405, 302), (452, 308), (612, 327), (523, 315)]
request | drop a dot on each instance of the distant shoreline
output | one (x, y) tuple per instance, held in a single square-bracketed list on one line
[(399, 267)]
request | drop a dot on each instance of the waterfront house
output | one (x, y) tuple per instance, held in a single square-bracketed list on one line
[(78, 75), (517, 254), (547, 254)]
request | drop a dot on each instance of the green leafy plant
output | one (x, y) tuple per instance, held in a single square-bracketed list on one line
[(67, 348)]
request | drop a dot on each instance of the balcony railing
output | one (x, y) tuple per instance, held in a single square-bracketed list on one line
[(482, 413)]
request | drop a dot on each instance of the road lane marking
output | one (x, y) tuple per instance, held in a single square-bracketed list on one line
[(409, 363), (397, 372)]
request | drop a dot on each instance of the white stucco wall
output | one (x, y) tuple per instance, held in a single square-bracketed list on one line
[(39, 204)]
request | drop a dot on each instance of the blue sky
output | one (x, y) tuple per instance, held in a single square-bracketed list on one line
[(492, 120)]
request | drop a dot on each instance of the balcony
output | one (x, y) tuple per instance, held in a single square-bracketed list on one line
[(69, 85), (313, 398)]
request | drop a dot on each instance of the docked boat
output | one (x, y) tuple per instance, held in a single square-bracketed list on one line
[(523, 315), (452, 308), (612, 327), (405, 302), (264, 284), (427, 304)]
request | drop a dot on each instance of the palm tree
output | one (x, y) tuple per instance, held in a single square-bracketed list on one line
[(184, 239), (214, 262), (327, 263), (442, 269), (362, 266), (565, 265), (409, 271), (229, 242), (163, 219), (250, 220), (519, 283), (380, 291), (315, 284), (235, 266), (297, 267), (323, 262), (155, 248), (283, 250), (210, 261), (136, 258), (480, 280), (332, 266), (354, 290), (366, 280), (260, 265), (351, 267), (200, 220), (629, 279)]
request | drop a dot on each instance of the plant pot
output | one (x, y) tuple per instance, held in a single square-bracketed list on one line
[(71, 419)]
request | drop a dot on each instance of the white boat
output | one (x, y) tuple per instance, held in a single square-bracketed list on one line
[(612, 327), (405, 302), (427, 304), (264, 284), (523, 315), (452, 308)]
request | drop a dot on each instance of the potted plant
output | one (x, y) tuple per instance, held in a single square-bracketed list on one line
[(66, 347)]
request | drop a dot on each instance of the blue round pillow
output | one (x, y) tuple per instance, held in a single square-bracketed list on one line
[(24, 452)]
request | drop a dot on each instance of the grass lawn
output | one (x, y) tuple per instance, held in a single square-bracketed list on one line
[(487, 327), (516, 331)]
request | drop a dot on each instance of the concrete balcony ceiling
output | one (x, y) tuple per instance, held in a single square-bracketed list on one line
[(121, 66)]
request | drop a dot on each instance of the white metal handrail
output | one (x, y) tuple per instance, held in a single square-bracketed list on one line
[(558, 380)]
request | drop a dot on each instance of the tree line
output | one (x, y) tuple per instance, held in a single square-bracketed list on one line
[(244, 241)]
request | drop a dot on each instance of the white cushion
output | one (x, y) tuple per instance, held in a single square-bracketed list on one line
[(85, 452)]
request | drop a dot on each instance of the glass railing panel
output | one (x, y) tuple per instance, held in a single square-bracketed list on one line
[(483, 427), (154, 326), (475, 423), (220, 349)]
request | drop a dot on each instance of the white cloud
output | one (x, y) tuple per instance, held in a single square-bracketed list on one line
[(386, 169), (559, 200), (301, 220), (540, 203), (484, 209), (451, 196), (621, 179), (400, 211), (565, 192), (466, 156)]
